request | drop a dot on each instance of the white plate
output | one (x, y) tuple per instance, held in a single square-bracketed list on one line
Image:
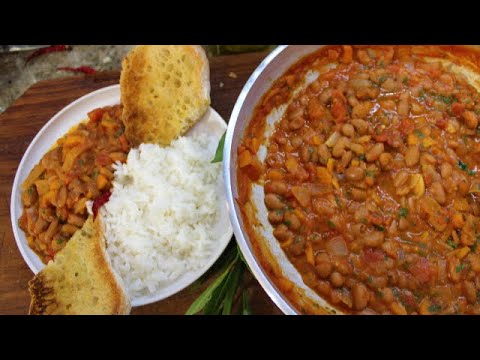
[(211, 123)]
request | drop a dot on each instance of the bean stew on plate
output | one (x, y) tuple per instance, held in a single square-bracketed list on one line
[(77, 169), (371, 178)]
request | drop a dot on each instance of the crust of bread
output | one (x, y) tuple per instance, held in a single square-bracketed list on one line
[(81, 280), (165, 90)]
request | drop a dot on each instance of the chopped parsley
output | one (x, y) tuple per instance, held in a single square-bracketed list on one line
[(475, 244), (464, 167), (423, 245), (83, 233), (477, 111), (362, 156), (30, 190), (59, 241), (422, 95), (370, 173), (379, 294), (331, 225), (434, 308), (405, 80), (381, 64), (287, 222), (419, 134), (338, 201), (459, 267), (370, 280), (403, 212), (452, 244), (95, 173), (379, 227), (382, 79), (364, 220), (406, 265), (446, 99)]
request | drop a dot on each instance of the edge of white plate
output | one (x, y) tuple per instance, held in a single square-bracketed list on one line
[(74, 113)]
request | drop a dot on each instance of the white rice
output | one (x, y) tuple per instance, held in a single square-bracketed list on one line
[(159, 217)]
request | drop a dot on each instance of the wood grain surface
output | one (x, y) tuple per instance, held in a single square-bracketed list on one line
[(21, 122)]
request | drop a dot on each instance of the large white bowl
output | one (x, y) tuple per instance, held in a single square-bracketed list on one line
[(211, 123)]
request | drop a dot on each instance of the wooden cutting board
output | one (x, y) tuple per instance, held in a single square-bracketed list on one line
[(24, 118)]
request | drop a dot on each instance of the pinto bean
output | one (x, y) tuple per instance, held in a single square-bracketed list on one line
[(412, 155), (276, 187), (375, 152), (348, 130), (360, 296), (355, 173), (274, 202)]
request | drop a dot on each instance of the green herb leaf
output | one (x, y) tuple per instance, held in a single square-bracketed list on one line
[(446, 99), (452, 244), (287, 222), (370, 279), (361, 157), (214, 306), (200, 303), (338, 201), (242, 258), (232, 288), (434, 308), (246, 310), (370, 173), (406, 265), (403, 212), (419, 134), (379, 227), (382, 79), (219, 153), (422, 95), (405, 80), (331, 225), (459, 268), (422, 245), (475, 245), (462, 165)]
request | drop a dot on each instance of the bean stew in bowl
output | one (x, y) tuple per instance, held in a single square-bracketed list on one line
[(371, 177)]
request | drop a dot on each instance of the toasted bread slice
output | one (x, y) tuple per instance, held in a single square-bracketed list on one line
[(80, 280), (165, 89)]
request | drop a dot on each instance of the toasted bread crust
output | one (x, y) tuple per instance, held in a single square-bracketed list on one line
[(81, 280), (165, 89)]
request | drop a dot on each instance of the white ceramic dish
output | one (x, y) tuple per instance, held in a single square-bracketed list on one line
[(71, 115)]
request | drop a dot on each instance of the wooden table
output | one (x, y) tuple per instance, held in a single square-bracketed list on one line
[(21, 122)]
